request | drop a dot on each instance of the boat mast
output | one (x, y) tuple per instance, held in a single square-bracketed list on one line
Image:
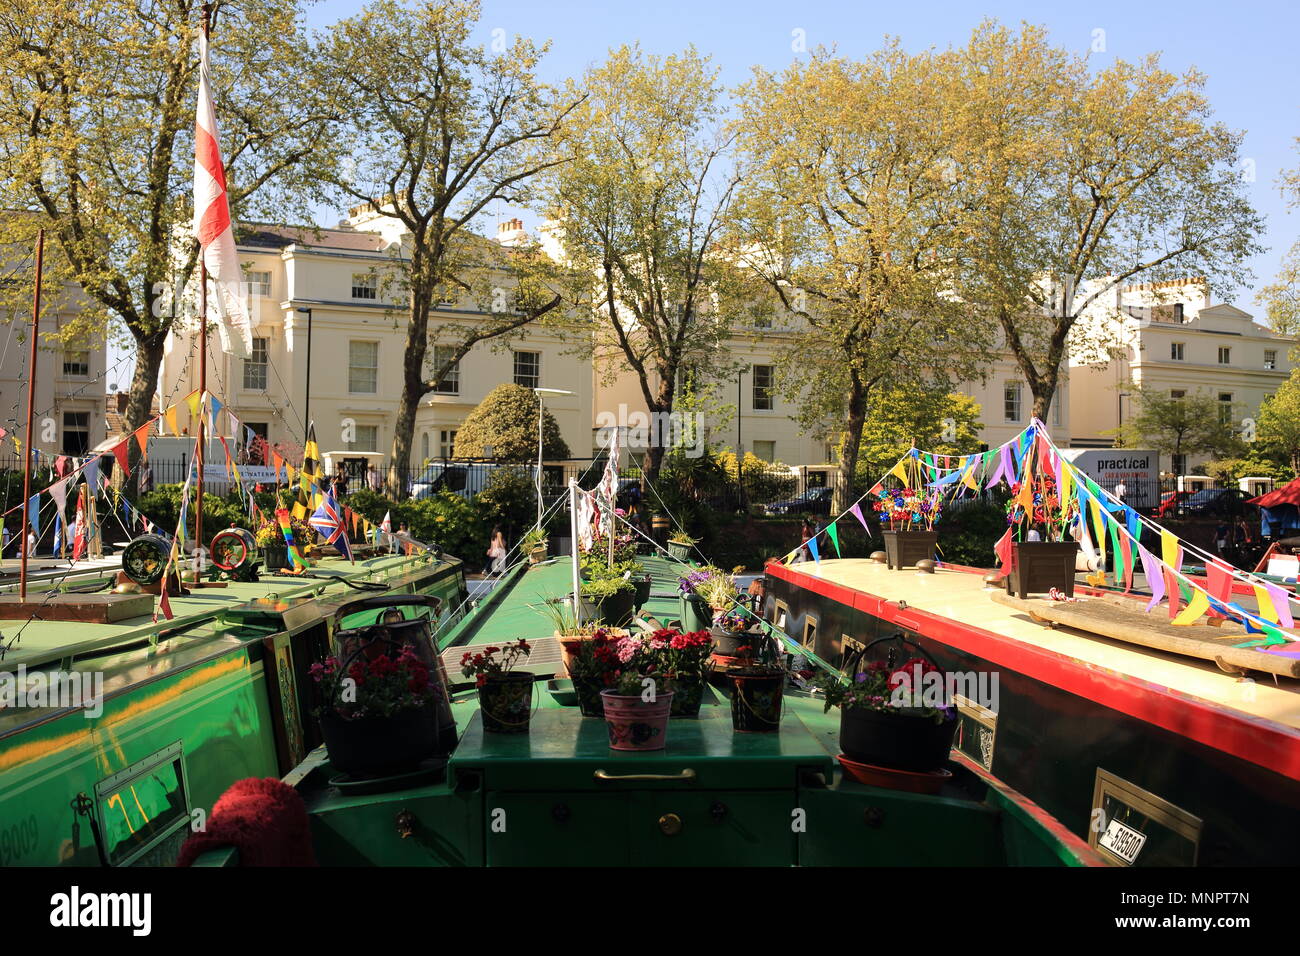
[(31, 399)]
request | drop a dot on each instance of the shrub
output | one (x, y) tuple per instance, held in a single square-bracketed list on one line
[(506, 420), (162, 506), (508, 499), (764, 480)]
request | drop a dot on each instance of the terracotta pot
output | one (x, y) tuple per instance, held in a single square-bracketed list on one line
[(634, 724)]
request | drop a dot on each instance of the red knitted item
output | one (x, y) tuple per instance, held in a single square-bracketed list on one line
[(264, 819)]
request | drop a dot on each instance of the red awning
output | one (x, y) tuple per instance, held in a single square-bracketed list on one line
[(1288, 494)]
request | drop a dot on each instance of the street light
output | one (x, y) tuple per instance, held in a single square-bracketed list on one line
[(306, 408), (539, 392)]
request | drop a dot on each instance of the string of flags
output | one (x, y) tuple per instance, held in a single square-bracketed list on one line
[(1096, 520)]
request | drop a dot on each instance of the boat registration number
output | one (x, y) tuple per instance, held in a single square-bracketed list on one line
[(1125, 842)]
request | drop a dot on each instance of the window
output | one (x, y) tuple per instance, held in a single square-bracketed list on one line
[(1011, 403), (1225, 355), (255, 366), (447, 443), (76, 364), (1177, 393), (76, 433), (259, 283), (1225, 407), (763, 387), (363, 367), (1270, 358), (765, 450), (1057, 400), (1176, 352), (810, 633), (1180, 464), (448, 300), (424, 446), (780, 613), (365, 438), (528, 369), (365, 286), (450, 384)]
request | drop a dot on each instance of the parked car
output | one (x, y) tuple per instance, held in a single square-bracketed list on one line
[(1169, 502), (1218, 502), (815, 501), (465, 479)]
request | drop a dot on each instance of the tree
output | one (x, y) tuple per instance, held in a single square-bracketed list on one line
[(435, 130), (1079, 184), (96, 133), (1281, 297), (851, 220), (946, 423), (506, 422), (1193, 424), (639, 201), (1278, 423)]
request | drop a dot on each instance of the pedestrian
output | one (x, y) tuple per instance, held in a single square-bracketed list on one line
[(4, 539), (31, 541), (1221, 537), (496, 553), (806, 533), (758, 595), (1121, 490)]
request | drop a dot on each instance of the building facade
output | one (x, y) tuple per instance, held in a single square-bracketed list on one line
[(1169, 337)]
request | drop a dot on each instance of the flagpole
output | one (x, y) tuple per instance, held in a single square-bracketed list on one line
[(31, 396), (573, 530), (203, 353)]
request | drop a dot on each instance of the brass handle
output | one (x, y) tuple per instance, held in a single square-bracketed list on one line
[(687, 774), (670, 824)]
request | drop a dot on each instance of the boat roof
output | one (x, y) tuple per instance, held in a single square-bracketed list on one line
[(42, 643), (959, 595)]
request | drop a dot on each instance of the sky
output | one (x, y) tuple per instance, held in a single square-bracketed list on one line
[(1245, 49)]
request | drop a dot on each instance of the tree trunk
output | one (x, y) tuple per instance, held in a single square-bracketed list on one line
[(139, 402), (853, 426), (413, 389)]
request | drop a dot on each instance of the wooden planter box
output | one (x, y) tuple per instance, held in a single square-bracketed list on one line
[(1039, 566), (904, 548)]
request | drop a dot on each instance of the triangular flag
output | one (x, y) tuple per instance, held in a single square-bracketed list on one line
[(835, 538), (1003, 550), (1173, 591), (1281, 605), (164, 605), (857, 513), (1155, 576), (1199, 604), (193, 400), (900, 470), (170, 415), (142, 439), (1266, 609), (812, 549), (119, 452)]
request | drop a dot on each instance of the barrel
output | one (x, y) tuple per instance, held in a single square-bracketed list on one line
[(145, 559), (233, 548)]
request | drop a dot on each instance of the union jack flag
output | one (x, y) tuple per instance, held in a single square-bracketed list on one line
[(328, 521)]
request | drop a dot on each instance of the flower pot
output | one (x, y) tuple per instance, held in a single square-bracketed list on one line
[(756, 700), (904, 548), (537, 555), (688, 694), (275, 557), (695, 613), (590, 703), (380, 746), (1039, 566), (642, 591), (634, 724), (682, 552), (616, 609), (727, 642), (506, 702), (897, 740)]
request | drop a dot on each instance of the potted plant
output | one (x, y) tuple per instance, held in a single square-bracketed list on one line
[(1043, 556), (900, 718), (593, 666), (534, 544), (715, 587), (638, 701), (505, 696), (686, 657), (695, 611), (608, 597), (758, 685), (907, 518), (731, 630), (270, 541), (378, 716), (680, 544)]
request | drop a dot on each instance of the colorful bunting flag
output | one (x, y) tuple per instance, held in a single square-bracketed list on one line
[(835, 538)]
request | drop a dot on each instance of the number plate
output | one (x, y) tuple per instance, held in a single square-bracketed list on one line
[(1124, 842)]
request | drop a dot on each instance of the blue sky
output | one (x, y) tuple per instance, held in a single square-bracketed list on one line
[(1247, 51)]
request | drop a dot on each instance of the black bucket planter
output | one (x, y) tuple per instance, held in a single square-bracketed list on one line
[(904, 548), (896, 740), (727, 642), (275, 558), (642, 591), (688, 694), (380, 746), (506, 703), (756, 700), (1039, 566), (590, 703), (615, 610)]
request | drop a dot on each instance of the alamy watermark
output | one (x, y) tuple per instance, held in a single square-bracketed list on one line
[(61, 690), (683, 431)]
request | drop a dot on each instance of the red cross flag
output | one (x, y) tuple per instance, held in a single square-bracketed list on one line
[(212, 225)]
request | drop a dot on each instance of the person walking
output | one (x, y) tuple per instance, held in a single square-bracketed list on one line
[(806, 533), (496, 553), (1121, 491)]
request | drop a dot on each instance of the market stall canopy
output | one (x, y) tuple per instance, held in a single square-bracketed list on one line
[(1288, 494)]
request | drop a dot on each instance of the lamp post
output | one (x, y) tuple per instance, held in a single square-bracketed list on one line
[(306, 406), (541, 416)]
